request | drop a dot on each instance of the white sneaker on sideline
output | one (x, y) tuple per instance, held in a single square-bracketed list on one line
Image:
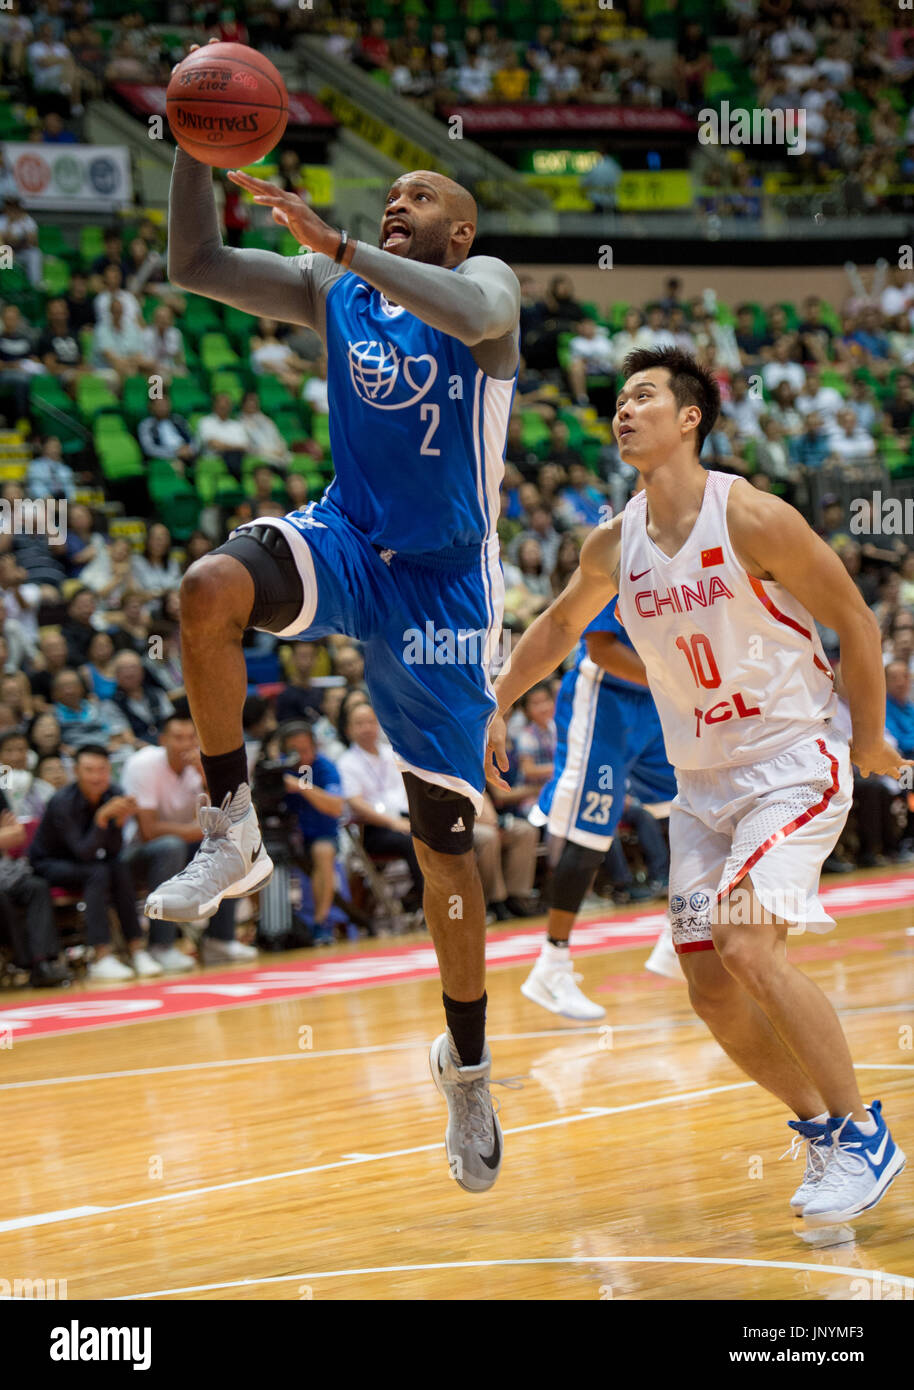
[(215, 952), (172, 960), (663, 960), (109, 969), (144, 965), (553, 985)]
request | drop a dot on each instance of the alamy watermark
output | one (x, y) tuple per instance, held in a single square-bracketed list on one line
[(34, 516), (761, 126)]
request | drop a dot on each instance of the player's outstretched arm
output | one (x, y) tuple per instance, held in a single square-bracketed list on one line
[(550, 638), (259, 282), (477, 302), (774, 538)]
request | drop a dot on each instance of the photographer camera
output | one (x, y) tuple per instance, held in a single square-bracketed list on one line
[(298, 795)]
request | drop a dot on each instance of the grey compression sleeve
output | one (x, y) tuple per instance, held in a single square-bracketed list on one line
[(259, 282), (481, 300), (479, 303)]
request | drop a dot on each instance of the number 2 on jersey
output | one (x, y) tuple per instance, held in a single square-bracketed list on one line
[(697, 652), (430, 411)]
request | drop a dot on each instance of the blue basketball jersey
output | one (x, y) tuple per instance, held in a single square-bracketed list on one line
[(417, 429), (606, 621)]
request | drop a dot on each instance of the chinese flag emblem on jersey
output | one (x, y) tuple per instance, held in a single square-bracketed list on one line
[(714, 556)]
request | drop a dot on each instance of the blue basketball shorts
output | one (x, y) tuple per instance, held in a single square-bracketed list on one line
[(429, 628)]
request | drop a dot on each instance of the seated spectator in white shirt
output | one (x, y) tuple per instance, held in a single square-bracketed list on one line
[(113, 288), (474, 79), (165, 781), (898, 294), (164, 343), (118, 345), (814, 398), (657, 335), (631, 336), (590, 353), (782, 368), (156, 570), (849, 442), (745, 409), (20, 232), (218, 433), (315, 392), (263, 437), (373, 787), (48, 475)]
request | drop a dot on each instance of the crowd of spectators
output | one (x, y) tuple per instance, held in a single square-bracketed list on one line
[(100, 766)]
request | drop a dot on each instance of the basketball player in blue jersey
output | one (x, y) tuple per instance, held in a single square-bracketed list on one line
[(401, 553), (608, 734)]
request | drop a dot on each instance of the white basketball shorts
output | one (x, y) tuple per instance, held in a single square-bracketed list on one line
[(777, 821)]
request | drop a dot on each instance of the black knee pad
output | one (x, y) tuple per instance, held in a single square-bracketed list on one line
[(440, 818), (278, 593), (574, 873)]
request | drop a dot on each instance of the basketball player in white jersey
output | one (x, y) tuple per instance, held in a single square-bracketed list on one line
[(719, 589)]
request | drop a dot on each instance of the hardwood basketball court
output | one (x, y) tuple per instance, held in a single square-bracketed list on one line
[(294, 1149)]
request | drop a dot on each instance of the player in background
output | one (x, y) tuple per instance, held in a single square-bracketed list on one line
[(608, 732), (719, 588), (422, 348)]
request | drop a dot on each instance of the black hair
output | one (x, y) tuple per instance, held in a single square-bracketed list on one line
[(540, 685), (255, 707), (98, 750), (180, 711), (690, 383), (14, 731)]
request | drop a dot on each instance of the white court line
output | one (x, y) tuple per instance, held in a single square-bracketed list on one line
[(369, 1049), (893, 1280), (590, 1113)]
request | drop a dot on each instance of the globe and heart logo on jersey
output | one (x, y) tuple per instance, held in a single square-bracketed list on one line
[(377, 371)]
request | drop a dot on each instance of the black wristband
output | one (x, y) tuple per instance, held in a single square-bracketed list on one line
[(341, 249)]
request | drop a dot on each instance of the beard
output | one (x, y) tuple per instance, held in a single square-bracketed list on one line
[(428, 243)]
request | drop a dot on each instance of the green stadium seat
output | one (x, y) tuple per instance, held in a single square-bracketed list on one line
[(135, 399), (320, 432), (217, 352), (187, 395), (259, 239), (211, 476), (718, 85), (120, 457), (52, 241), (290, 426), (239, 326), (534, 431), (91, 243), (55, 276), (108, 424), (228, 382), (181, 514), (273, 395), (93, 396), (200, 316), (49, 390)]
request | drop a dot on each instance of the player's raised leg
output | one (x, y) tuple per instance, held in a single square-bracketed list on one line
[(218, 601)]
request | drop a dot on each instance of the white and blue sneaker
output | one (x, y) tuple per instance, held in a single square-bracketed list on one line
[(858, 1173), (816, 1140)]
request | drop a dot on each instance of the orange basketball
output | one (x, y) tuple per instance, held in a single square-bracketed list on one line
[(227, 105)]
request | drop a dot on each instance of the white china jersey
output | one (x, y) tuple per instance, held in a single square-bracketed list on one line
[(734, 663)]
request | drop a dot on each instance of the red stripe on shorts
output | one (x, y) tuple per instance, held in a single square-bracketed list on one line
[(794, 824)]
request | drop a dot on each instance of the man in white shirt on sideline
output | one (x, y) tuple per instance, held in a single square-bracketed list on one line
[(113, 281), (782, 368), (373, 787), (590, 353), (218, 433), (849, 441), (165, 781), (816, 399)]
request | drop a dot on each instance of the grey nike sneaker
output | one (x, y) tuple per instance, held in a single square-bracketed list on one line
[(230, 862), (473, 1139)]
